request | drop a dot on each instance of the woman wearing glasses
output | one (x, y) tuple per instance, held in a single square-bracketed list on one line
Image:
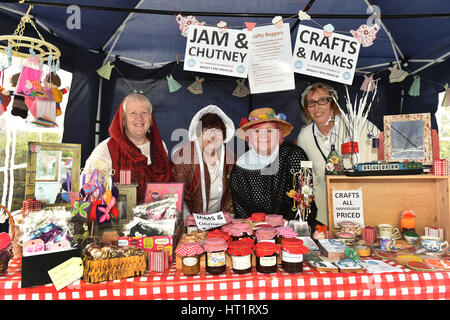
[(204, 164), (134, 144), (325, 132)]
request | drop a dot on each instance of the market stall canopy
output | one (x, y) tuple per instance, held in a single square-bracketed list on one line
[(144, 35)]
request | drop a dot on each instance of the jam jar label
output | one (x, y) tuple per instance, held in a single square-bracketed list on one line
[(291, 258), (216, 259), (268, 261), (190, 261), (241, 262)]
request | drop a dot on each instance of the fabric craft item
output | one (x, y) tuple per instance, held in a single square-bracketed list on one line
[(196, 86), (19, 108), (302, 16), (45, 109), (105, 71), (369, 234), (368, 84), (241, 90), (80, 211), (5, 99), (440, 167), (446, 100), (173, 84), (397, 75), (365, 35), (414, 90), (185, 22)]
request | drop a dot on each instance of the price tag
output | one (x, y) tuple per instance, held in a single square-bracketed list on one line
[(66, 273)]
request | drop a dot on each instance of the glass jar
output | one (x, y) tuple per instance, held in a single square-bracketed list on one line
[(241, 264), (215, 258), (266, 257), (240, 230), (275, 220), (292, 251), (191, 265), (285, 233), (266, 234)]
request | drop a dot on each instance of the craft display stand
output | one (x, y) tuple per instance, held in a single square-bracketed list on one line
[(386, 197)]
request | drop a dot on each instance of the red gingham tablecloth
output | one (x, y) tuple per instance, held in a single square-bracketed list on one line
[(172, 284)]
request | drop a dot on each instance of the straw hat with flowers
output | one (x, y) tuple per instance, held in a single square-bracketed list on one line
[(261, 115)]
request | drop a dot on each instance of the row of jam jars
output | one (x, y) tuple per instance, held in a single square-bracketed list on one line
[(190, 253), (241, 255), (215, 258), (266, 257), (292, 251)]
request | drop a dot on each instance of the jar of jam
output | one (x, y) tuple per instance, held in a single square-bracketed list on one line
[(275, 220), (215, 259), (266, 257), (292, 251), (190, 255), (240, 230), (266, 234), (285, 233), (241, 255), (190, 223)]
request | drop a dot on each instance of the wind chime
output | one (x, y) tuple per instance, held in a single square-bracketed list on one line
[(302, 194)]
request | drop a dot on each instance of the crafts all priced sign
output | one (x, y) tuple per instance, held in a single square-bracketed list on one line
[(213, 50), (270, 60), (348, 206), (331, 57)]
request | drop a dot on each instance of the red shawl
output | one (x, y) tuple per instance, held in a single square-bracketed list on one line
[(125, 155)]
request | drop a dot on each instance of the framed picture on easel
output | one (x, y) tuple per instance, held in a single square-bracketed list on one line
[(161, 190)]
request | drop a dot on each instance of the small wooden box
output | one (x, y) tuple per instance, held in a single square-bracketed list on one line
[(386, 197)]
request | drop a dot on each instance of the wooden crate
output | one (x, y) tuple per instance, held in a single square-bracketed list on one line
[(386, 197)]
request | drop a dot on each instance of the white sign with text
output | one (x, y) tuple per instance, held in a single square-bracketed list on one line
[(348, 206), (209, 221)]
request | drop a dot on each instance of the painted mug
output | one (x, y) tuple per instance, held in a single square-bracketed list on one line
[(433, 244), (350, 226), (387, 244), (388, 231)]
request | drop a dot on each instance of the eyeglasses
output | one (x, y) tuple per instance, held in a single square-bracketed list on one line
[(322, 101), (213, 131), (134, 114)]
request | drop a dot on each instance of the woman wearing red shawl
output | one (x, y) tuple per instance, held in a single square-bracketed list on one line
[(135, 144)]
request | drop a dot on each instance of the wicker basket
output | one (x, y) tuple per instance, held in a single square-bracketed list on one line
[(5, 260), (113, 268)]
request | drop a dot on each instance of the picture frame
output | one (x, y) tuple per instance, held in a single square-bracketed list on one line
[(165, 189), (407, 137), (46, 187)]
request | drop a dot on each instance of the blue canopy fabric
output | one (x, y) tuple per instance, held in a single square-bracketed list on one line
[(152, 39)]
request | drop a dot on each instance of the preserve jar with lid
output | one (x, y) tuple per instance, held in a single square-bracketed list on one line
[(275, 220), (190, 223), (215, 259), (266, 234), (266, 257), (240, 230), (241, 255), (292, 251), (190, 255), (285, 233)]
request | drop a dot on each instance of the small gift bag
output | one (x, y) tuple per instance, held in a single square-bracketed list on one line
[(370, 234), (29, 83), (435, 232), (158, 261), (125, 176), (440, 167)]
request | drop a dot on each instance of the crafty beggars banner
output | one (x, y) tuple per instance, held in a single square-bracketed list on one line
[(325, 55), (214, 50)]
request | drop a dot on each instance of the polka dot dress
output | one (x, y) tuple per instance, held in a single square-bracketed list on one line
[(265, 190)]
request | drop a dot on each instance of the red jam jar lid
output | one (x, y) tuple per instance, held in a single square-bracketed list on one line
[(266, 233), (238, 229), (190, 249), (294, 246), (258, 216), (242, 247), (215, 244), (275, 220), (264, 249)]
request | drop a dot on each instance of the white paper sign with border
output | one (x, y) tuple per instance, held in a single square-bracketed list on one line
[(209, 221), (332, 58), (270, 60), (347, 206), (212, 50)]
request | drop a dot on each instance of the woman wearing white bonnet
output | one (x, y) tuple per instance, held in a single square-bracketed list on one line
[(204, 164), (323, 131)]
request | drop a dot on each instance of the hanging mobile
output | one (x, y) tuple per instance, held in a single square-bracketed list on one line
[(334, 163)]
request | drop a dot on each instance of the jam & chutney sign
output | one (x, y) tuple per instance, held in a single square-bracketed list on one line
[(324, 55), (218, 51)]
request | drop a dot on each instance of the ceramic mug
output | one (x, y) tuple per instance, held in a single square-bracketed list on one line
[(388, 231), (433, 244), (387, 243)]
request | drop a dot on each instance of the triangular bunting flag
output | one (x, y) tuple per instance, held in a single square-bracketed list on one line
[(250, 25)]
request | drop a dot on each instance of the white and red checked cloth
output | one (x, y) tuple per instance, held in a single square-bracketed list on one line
[(125, 177), (172, 284), (440, 167)]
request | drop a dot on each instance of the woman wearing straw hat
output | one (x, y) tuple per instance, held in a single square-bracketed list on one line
[(325, 132), (262, 176), (204, 164)]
